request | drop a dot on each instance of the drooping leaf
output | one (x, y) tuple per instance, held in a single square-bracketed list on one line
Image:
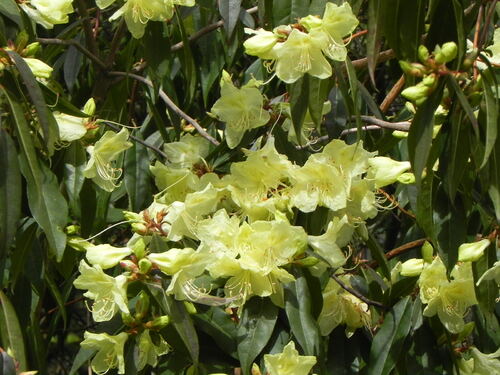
[(12, 335), (255, 329)]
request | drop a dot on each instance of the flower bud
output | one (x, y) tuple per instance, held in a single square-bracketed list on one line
[(159, 323), (430, 80), (411, 69), (31, 49), (447, 53), (139, 248), (423, 54), (384, 171), (190, 308), (470, 252), (145, 265), (412, 267), (142, 306), (307, 262), (89, 107), (72, 229), (406, 178), (261, 44), (127, 319), (21, 40), (310, 22), (38, 68), (400, 134), (427, 252), (416, 93), (128, 265)]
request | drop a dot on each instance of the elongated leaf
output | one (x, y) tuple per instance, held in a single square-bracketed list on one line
[(255, 329), (453, 84), (491, 104), (137, 177), (46, 202), (229, 11), (11, 10), (82, 357), (318, 94), (12, 336), (420, 135), (317, 7), (388, 342), (10, 194), (450, 220), (299, 99), (375, 25), (425, 205), (45, 117), (220, 327), (300, 315), (74, 163), (378, 254), (299, 8), (7, 365)]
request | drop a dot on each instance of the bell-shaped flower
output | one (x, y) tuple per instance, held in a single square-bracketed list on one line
[(149, 351), (302, 53), (448, 299), (38, 67), (71, 127), (102, 156), (337, 235), (341, 307), (361, 201), (105, 255), (108, 293), (338, 21), (261, 43), (109, 351), (492, 274), (240, 108), (48, 12), (289, 362), (137, 13), (188, 151), (184, 265), (470, 252), (385, 171), (486, 364)]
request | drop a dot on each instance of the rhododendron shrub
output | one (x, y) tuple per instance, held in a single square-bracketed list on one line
[(248, 187)]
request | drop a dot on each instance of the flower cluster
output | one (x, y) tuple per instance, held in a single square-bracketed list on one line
[(303, 47), (48, 12)]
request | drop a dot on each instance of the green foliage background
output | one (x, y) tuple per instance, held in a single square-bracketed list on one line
[(42, 188)]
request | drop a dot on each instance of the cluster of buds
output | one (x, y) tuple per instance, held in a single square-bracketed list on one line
[(430, 68)]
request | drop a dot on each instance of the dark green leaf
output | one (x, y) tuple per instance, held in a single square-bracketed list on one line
[(220, 327), (299, 99), (373, 39), (46, 202), (453, 85), (229, 11), (137, 177), (491, 107), (7, 365), (255, 329), (10, 194), (388, 342), (11, 10), (82, 357), (300, 315), (11, 333), (378, 254), (318, 94), (45, 117)]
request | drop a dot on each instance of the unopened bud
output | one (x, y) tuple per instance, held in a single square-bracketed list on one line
[(142, 305), (128, 265), (127, 319), (311, 22), (190, 308), (423, 54), (145, 265), (256, 369), (31, 49), (412, 267), (427, 252), (470, 252), (159, 323), (416, 93), (89, 107), (406, 178), (430, 80), (139, 248), (72, 229), (446, 53), (21, 40), (307, 262)]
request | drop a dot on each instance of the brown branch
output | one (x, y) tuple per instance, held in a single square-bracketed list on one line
[(51, 311), (75, 44), (399, 250), (401, 126), (166, 99), (392, 94), (382, 57), (355, 293), (396, 203), (476, 37)]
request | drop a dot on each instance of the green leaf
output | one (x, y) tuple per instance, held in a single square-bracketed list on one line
[(300, 315), (10, 195), (317, 7), (229, 11), (255, 329), (45, 117), (9, 9), (218, 324), (373, 39), (491, 107), (453, 85), (420, 135), (11, 334), (75, 160), (318, 94), (299, 8), (48, 206), (7, 365), (425, 205), (388, 342), (299, 99), (82, 357), (450, 220), (137, 177), (378, 254)]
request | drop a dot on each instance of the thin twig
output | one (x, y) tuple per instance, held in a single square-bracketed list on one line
[(399, 250), (477, 37), (487, 21), (403, 126), (170, 104), (393, 94), (78, 46), (205, 30), (87, 27), (345, 132), (356, 293), (51, 311), (138, 140), (382, 57), (396, 203)]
